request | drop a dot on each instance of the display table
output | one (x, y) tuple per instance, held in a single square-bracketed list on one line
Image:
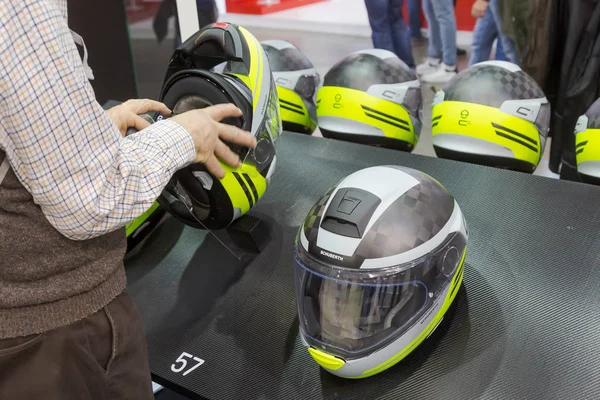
[(525, 325)]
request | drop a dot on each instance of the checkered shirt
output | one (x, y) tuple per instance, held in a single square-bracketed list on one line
[(66, 152)]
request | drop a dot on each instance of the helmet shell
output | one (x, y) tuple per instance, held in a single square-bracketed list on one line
[(587, 144), (371, 97), (492, 113), (379, 259), (193, 195), (297, 81)]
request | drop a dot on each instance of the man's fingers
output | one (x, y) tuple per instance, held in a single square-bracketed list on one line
[(145, 105), (226, 155), (214, 167), (222, 111), (235, 135), (138, 122)]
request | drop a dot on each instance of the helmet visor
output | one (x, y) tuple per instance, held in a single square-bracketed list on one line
[(352, 313), (267, 135)]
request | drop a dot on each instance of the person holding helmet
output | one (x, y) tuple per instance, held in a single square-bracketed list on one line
[(69, 182)]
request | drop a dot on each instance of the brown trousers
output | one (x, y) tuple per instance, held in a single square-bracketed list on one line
[(101, 357)]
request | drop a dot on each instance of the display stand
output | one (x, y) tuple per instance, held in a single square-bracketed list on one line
[(250, 234)]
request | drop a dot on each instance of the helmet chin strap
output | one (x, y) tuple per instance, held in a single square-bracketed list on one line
[(187, 202)]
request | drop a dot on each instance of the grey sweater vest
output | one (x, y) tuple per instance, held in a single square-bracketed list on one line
[(47, 280)]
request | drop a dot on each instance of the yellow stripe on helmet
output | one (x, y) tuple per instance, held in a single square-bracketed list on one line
[(292, 108), (245, 186), (392, 118), (256, 65), (489, 124), (587, 146), (457, 281)]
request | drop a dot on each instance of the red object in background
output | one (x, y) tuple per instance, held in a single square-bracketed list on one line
[(257, 6), (464, 19), (140, 10)]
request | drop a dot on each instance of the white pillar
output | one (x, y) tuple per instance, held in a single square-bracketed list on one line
[(188, 18)]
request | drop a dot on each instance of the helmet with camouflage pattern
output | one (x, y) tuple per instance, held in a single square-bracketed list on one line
[(371, 97), (494, 114), (379, 260)]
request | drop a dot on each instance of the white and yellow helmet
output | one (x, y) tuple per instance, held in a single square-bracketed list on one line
[(379, 260)]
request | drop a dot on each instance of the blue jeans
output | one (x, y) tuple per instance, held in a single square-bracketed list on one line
[(487, 29), (389, 29), (442, 30), (414, 18)]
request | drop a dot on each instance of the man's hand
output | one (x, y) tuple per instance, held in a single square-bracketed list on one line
[(126, 115), (207, 132), (479, 7)]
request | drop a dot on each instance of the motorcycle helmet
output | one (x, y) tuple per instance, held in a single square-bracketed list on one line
[(494, 114), (587, 145), (193, 195), (138, 229), (297, 81), (379, 260), (371, 97)]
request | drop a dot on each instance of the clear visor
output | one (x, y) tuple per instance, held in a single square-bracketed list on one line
[(267, 135), (351, 313)]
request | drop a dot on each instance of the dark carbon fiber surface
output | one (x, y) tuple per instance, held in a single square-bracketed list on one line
[(360, 71), (289, 59), (525, 324), (491, 85), (417, 216)]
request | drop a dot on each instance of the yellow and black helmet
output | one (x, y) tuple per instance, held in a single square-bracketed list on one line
[(494, 114), (297, 81), (587, 145), (371, 97), (194, 196), (139, 229)]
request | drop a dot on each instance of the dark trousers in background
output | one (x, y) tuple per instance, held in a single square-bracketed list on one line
[(102, 357), (389, 29), (414, 18)]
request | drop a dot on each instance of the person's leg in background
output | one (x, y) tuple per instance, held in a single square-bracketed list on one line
[(508, 46), (500, 55), (378, 13), (484, 35), (443, 11), (414, 18), (434, 49), (400, 33)]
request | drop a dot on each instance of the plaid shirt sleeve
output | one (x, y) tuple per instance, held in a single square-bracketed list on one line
[(67, 153)]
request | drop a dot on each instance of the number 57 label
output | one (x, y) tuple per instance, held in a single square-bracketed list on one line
[(182, 362)]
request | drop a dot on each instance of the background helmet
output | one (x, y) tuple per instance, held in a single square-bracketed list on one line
[(587, 144), (297, 81), (193, 195), (138, 229), (371, 97), (494, 114), (379, 260)]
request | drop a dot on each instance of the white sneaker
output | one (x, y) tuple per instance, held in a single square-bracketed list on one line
[(443, 74), (429, 66)]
